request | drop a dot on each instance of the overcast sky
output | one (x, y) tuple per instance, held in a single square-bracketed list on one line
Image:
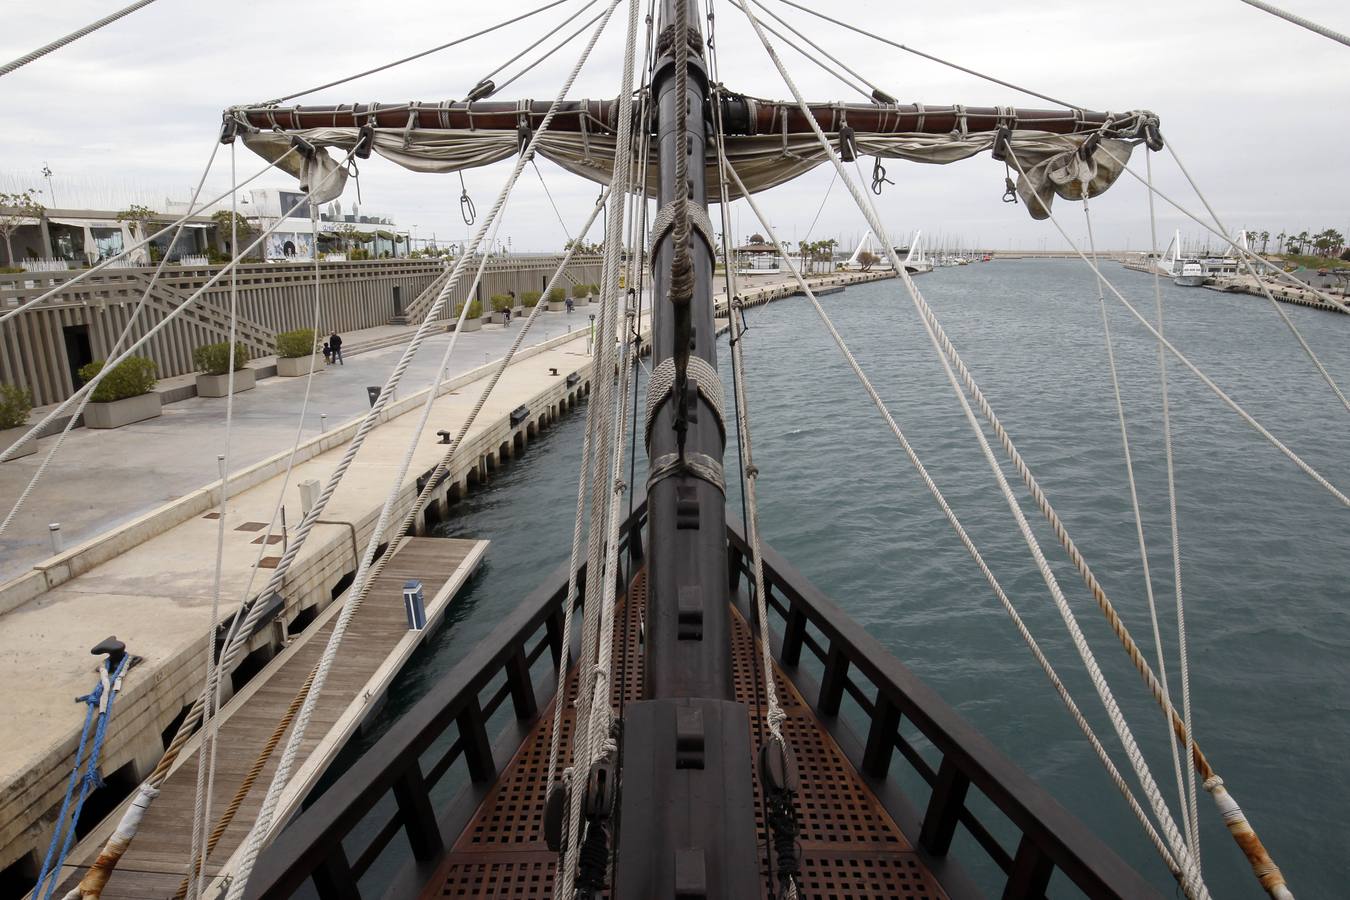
[(1256, 107)]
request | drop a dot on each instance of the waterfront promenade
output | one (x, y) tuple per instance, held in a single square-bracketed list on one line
[(101, 479)]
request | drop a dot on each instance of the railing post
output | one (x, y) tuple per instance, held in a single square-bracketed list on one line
[(944, 809), (734, 558), (522, 687), (554, 625), (419, 819), (832, 681), (333, 879), (474, 741), (794, 633), (881, 734), (1030, 873)]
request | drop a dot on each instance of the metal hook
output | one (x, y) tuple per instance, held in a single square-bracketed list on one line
[(466, 207), (879, 177)]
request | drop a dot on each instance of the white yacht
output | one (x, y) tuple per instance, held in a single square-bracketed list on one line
[(1190, 274)]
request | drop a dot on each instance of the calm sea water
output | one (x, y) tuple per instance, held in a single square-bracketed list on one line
[(1263, 547)]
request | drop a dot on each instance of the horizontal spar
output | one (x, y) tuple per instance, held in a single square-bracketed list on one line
[(740, 115)]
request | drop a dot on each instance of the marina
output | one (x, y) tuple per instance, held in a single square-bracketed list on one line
[(353, 548)]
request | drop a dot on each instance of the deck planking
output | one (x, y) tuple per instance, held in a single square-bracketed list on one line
[(374, 648)]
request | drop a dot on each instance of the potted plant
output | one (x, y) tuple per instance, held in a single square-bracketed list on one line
[(213, 367), (295, 353), (581, 293), (474, 320), (15, 405), (557, 299), (517, 307), (500, 304), (593, 293), (125, 395), (530, 299)]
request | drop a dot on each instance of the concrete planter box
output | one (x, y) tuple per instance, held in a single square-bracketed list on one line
[(519, 312), (292, 366), (122, 412), (219, 385), (591, 298), (471, 324), (556, 305), (10, 436), (499, 318)]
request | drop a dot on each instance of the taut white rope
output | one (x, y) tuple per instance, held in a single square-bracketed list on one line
[(1263, 867), (176, 223), (1175, 529), (1300, 21), (1187, 825), (969, 544), (598, 612), (116, 346), (262, 825), (72, 37), (1191, 881)]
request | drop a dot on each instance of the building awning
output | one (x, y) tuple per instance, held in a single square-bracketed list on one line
[(87, 223)]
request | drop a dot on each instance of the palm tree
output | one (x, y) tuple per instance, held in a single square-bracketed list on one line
[(1279, 242), (1265, 239)]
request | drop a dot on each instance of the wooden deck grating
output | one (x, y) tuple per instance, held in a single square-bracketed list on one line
[(850, 846)]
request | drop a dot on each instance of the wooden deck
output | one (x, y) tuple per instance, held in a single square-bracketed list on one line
[(850, 846), (376, 645)]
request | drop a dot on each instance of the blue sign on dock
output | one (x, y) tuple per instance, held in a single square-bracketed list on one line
[(414, 604)]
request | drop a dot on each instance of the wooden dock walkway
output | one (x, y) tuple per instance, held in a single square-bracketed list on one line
[(377, 643)]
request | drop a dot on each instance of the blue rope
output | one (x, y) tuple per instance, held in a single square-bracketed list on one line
[(88, 782)]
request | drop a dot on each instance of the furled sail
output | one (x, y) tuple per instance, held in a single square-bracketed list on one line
[(773, 146)]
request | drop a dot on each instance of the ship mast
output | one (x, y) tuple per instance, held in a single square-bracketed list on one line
[(686, 825)]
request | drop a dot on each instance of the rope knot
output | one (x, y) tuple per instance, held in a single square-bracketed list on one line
[(1212, 783)]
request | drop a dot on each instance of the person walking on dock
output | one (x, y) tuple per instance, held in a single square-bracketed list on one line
[(335, 345)]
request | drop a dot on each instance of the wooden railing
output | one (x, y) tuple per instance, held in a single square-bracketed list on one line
[(350, 830), (887, 692)]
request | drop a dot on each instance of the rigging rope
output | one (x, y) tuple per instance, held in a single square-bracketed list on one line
[(177, 223), (877, 93), (591, 737), (929, 56), (98, 874), (1234, 245), (116, 346), (1191, 803), (1279, 309), (263, 823), (1190, 880), (554, 49), (1189, 827), (974, 552), (1300, 21), (206, 752), (1262, 866), (407, 59), (72, 37), (571, 17), (99, 706)]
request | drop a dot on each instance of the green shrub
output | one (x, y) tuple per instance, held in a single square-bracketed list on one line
[(595, 289), (579, 291), (214, 359), (475, 310), (557, 295), (15, 405), (295, 344), (502, 302), (11, 270), (358, 254), (132, 377), (216, 257), (530, 298)]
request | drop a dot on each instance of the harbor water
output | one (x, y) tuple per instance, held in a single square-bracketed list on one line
[(1263, 547)]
